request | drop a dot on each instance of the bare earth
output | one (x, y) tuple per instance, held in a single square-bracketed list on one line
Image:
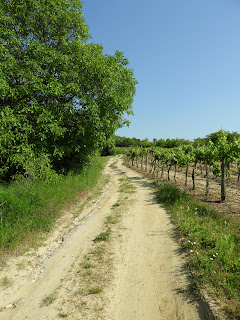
[(139, 273)]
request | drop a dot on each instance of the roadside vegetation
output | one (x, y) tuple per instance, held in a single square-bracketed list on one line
[(213, 243), (61, 100), (28, 206)]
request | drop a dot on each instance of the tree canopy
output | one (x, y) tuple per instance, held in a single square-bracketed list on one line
[(61, 98)]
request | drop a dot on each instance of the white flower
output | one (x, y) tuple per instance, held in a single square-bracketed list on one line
[(211, 259)]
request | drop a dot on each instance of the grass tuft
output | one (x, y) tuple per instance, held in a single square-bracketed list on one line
[(6, 282), (49, 299), (63, 315), (95, 290), (103, 236)]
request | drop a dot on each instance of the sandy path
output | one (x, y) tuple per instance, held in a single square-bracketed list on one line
[(145, 268), (151, 280)]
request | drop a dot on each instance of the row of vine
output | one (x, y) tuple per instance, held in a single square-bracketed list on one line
[(216, 156)]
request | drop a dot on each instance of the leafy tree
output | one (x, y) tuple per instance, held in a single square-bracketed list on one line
[(61, 98)]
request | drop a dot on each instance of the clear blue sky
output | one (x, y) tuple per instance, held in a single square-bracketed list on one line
[(186, 57)]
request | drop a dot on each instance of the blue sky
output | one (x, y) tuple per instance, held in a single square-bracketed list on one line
[(186, 57)]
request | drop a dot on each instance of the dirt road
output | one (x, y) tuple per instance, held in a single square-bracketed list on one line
[(119, 259)]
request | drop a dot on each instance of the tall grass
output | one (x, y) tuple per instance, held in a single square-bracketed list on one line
[(30, 206), (213, 242)]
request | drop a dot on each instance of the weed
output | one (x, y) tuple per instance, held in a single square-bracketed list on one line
[(49, 299), (112, 219), (115, 205), (63, 315), (103, 236), (98, 251), (3, 264), (88, 266), (6, 282), (95, 290)]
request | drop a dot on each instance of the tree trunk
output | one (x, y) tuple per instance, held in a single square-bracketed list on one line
[(162, 171), (223, 191), (207, 181), (146, 167), (186, 176), (175, 172), (157, 167), (193, 175), (169, 172), (154, 167), (238, 172)]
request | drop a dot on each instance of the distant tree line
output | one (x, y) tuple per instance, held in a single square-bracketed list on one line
[(173, 143), (134, 142)]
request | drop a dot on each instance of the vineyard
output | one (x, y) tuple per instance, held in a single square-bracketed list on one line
[(210, 172)]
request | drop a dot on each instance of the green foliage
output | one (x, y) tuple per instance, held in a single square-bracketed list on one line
[(216, 152), (213, 242), (61, 98), (95, 290), (29, 206), (169, 194), (103, 236)]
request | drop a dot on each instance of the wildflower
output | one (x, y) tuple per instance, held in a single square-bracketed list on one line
[(211, 259), (191, 251)]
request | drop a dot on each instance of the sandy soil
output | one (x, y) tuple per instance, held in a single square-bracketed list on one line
[(139, 272)]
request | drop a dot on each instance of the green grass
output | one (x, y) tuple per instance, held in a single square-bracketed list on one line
[(27, 206), (213, 242), (6, 282), (95, 290), (126, 186), (103, 236), (63, 315), (49, 299)]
